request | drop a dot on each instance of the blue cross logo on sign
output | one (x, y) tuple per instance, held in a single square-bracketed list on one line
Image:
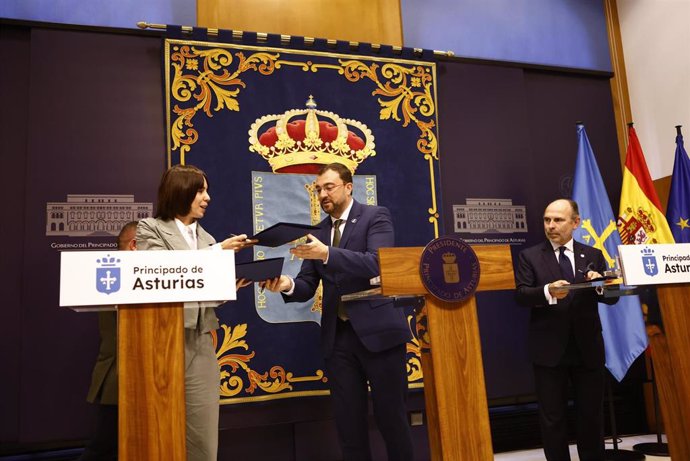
[(108, 275), (651, 268)]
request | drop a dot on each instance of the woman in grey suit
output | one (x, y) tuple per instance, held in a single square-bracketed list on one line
[(182, 200)]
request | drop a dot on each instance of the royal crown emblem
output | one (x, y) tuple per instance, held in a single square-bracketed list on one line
[(451, 271), (301, 140), (448, 258)]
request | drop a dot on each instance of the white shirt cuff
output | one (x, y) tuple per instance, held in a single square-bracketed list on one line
[(292, 287), (550, 299)]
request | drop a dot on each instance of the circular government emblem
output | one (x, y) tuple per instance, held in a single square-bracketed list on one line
[(449, 269)]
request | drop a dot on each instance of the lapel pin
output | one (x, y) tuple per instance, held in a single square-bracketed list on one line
[(354, 220)]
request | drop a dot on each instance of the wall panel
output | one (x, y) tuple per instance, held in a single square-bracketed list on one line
[(353, 20)]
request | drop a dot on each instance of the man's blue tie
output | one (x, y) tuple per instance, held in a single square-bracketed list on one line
[(566, 266), (342, 312), (336, 232)]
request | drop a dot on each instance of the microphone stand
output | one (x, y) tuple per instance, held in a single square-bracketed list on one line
[(617, 454), (650, 448)]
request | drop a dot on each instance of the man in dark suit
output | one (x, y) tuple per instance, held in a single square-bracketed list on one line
[(565, 340), (363, 342), (103, 389)]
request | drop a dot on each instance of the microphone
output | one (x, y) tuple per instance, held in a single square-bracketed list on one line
[(590, 267)]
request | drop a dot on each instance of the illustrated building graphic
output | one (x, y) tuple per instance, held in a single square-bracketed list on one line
[(489, 215), (84, 215)]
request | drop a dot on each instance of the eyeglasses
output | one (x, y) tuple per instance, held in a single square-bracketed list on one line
[(328, 189)]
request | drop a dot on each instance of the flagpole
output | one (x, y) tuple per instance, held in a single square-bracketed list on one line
[(622, 345), (659, 448)]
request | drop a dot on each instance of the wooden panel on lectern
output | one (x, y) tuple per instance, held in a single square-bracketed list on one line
[(353, 20), (665, 383), (458, 381), (400, 269), (151, 382), (674, 302)]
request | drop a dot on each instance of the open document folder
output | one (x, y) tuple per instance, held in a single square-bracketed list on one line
[(282, 233)]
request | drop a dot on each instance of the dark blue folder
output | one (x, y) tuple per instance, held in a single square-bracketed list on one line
[(258, 271), (282, 233)]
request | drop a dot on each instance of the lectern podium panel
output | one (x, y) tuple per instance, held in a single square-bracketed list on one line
[(454, 388), (151, 382), (671, 355)]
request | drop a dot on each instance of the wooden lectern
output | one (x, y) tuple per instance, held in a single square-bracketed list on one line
[(454, 389), (150, 337), (150, 350), (671, 356)]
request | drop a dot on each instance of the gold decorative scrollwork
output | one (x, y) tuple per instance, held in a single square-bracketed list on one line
[(422, 330), (407, 95), (276, 380), (414, 363), (215, 82)]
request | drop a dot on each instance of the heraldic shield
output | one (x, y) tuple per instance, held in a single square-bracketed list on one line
[(107, 279), (651, 268)]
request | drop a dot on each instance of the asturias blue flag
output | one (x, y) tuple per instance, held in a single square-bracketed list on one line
[(622, 324), (678, 210)]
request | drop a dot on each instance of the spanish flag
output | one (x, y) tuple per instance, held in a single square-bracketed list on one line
[(640, 219)]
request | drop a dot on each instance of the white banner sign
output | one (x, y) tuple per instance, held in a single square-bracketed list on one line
[(96, 278), (655, 264)]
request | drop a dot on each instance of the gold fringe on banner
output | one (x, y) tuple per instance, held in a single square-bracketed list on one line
[(285, 39)]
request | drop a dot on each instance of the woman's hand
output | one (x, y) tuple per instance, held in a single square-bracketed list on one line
[(237, 242), (241, 283)]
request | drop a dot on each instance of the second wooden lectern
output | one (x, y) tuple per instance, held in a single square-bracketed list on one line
[(151, 382), (454, 388)]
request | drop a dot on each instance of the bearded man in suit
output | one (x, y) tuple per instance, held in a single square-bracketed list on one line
[(362, 342)]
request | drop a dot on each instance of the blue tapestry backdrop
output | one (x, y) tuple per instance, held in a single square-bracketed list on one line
[(260, 121)]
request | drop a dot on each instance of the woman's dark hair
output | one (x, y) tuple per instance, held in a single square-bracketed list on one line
[(178, 189)]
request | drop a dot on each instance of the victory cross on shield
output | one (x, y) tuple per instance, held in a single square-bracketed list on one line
[(651, 268), (108, 275)]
